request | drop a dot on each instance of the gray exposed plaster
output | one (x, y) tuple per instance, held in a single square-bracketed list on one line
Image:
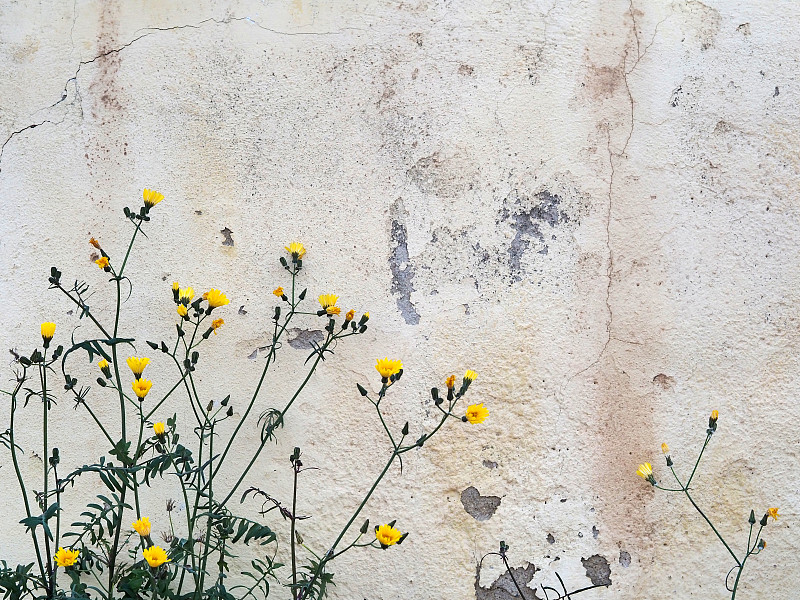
[(302, 339), (597, 569), (480, 507), (402, 269), (503, 587)]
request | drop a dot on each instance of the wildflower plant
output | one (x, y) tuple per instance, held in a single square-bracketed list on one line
[(113, 550), (755, 544)]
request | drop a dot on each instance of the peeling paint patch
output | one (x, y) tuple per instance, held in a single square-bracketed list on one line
[(490, 464), (551, 539), (403, 271), (527, 216), (504, 589), (597, 569), (665, 381), (480, 507), (228, 241), (302, 339), (624, 558)]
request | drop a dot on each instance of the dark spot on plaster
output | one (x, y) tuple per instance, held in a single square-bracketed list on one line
[(665, 381), (777, 91), (551, 539), (228, 241), (416, 38), (94, 256), (504, 589), (595, 531), (301, 338), (744, 28), (527, 216), (480, 507), (466, 70), (242, 311), (490, 464), (676, 94), (198, 212), (597, 569), (624, 559), (580, 534), (403, 271), (253, 355)]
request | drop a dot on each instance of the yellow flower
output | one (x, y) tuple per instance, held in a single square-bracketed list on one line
[(477, 413), (158, 428), (664, 448), (142, 526), (365, 317), (470, 375), (216, 324), (296, 249), (182, 310), (175, 286), (388, 367), (155, 556), (105, 368), (137, 365), (66, 558), (151, 198), (387, 535), (186, 294), (216, 298), (141, 387), (102, 262), (48, 331), (350, 314), (773, 512), (95, 243), (278, 291), (451, 382), (714, 415), (645, 471), (328, 303)]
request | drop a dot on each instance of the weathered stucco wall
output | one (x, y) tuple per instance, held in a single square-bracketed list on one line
[(592, 204)]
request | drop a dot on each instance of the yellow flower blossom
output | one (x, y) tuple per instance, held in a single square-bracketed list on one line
[(141, 387), (155, 556), (470, 375), (151, 198), (645, 471), (387, 535), (216, 324), (105, 368), (296, 249), (664, 448), (388, 367), (216, 298), (278, 291), (102, 262), (175, 286), (142, 526), (182, 310), (186, 294), (159, 429), (365, 317), (773, 512), (48, 331), (451, 382), (714, 415), (350, 314), (328, 303), (95, 243), (137, 365), (476, 413), (66, 558)]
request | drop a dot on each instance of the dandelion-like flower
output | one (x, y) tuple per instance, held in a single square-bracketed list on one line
[(350, 314), (216, 298), (773, 512), (451, 382), (141, 387), (665, 448), (48, 331), (159, 429), (66, 558), (102, 262), (142, 526), (278, 291), (296, 249), (216, 324), (185, 295), (476, 413), (470, 376), (175, 286), (155, 556), (137, 365), (151, 198), (328, 303), (105, 368), (645, 471), (388, 367), (387, 535), (714, 415), (94, 243), (182, 310)]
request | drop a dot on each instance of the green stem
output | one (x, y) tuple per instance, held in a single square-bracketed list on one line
[(46, 471), (291, 533)]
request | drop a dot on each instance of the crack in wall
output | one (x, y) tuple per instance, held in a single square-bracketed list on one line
[(403, 271), (150, 31)]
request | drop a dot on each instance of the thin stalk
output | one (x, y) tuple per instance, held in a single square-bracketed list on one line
[(291, 533), (511, 574), (45, 460)]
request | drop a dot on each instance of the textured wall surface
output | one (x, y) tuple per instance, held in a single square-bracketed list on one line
[(592, 204)]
